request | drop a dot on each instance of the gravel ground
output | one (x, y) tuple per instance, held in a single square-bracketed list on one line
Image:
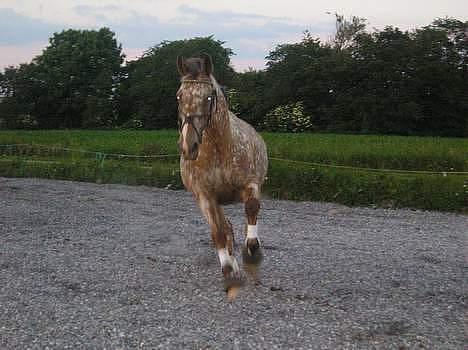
[(118, 267)]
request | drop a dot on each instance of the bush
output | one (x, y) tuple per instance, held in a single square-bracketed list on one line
[(288, 118)]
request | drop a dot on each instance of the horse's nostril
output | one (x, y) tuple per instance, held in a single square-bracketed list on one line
[(190, 153)]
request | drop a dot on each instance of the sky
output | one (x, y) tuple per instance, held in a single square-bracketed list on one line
[(250, 27)]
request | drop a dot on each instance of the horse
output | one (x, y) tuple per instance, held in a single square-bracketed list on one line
[(223, 160)]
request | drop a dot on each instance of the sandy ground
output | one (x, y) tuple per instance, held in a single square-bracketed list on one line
[(109, 266)]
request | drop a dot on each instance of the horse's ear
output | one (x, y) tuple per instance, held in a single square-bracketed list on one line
[(207, 63), (181, 65)]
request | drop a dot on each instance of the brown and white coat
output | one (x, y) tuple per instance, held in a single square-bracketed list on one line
[(223, 159)]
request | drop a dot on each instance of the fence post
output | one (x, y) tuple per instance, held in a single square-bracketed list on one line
[(100, 157)]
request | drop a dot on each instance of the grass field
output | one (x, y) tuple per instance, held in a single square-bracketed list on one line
[(286, 180), (392, 152)]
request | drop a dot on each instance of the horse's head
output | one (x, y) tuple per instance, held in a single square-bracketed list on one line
[(197, 102)]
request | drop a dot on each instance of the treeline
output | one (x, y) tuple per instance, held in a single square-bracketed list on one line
[(387, 82)]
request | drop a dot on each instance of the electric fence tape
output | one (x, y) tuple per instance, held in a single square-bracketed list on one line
[(381, 170), (101, 156)]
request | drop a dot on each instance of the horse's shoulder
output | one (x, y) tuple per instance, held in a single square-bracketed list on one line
[(239, 125)]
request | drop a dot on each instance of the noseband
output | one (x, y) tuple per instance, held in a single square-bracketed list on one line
[(189, 119)]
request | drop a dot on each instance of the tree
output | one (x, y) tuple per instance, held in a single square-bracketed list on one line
[(381, 101), (388, 81), (80, 70), (307, 71), (440, 77), (19, 90), (347, 31), (248, 96), (147, 94), (70, 85)]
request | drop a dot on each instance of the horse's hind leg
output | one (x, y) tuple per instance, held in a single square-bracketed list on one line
[(251, 197), (223, 238)]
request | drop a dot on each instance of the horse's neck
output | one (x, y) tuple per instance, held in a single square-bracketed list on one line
[(220, 127), (218, 132), (220, 121)]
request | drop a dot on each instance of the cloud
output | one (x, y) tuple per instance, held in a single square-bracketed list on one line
[(85, 10), (138, 30), (17, 29), (251, 36), (100, 15), (11, 55), (244, 64)]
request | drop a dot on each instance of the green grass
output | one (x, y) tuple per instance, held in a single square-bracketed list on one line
[(159, 174), (390, 152), (374, 151), (286, 180), (358, 188), (122, 141)]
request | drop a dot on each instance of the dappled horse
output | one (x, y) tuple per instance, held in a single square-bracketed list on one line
[(223, 160)]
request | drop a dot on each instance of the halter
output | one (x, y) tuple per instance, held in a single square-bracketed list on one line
[(189, 119)]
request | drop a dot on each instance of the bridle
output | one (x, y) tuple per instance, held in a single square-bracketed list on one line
[(189, 119)]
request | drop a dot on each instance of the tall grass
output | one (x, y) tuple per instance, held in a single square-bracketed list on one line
[(358, 188), (375, 151), (121, 141), (285, 180), (159, 174)]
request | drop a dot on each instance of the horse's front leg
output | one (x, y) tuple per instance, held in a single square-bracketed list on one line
[(223, 238), (251, 198)]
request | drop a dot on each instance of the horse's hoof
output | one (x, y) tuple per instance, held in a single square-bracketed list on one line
[(252, 270), (233, 281), (232, 277), (252, 253), (227, 271), (252, 245)]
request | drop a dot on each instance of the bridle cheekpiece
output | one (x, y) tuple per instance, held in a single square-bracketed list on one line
[(189, 119)]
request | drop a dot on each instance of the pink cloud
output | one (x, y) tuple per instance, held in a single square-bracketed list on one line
[(11, 55), (243, 64), (133, 53), (14, 55), (239, 64)]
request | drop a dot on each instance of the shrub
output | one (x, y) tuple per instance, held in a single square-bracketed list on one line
[(288, 118)]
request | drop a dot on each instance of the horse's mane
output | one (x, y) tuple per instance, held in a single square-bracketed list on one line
[(221, 101), (219, 91)]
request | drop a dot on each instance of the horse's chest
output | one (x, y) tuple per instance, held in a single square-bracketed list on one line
[(211, 177)]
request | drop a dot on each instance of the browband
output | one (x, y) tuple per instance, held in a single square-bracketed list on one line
[(197, 81)]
